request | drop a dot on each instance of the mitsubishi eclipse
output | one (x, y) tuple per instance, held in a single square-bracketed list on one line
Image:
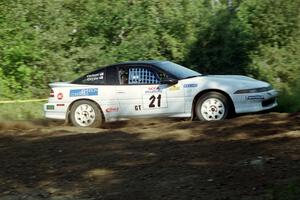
[(155, 89)]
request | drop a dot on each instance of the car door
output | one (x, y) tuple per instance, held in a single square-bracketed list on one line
[(175, 98), (162, 99), (97, 86), (141, 94), (128, 94)]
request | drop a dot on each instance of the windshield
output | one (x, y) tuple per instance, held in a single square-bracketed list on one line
[(177, 70)]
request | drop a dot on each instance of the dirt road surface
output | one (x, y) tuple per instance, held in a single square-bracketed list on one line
[(254, 157)]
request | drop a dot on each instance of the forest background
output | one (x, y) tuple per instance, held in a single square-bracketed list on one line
[(43, 41)]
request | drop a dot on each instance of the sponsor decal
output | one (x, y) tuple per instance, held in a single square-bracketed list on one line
[(60, 105), (60, 96), (174, 88), (84, 92), (138, 107), (50, 107), (255, 97), (190, 85), (153, 89), (112, 109), (94, 77)]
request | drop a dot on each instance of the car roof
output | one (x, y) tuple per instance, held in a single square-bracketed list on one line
[(140, 62)]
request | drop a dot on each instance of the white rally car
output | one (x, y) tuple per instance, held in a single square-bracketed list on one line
[(155, 89)]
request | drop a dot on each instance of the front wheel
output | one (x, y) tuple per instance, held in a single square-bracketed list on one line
[(212, 106), (86, 114)]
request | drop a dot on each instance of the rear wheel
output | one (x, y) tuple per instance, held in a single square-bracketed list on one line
[(212, 106), (86, 114)]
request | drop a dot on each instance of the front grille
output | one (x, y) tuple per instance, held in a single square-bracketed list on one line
[(268, 102)]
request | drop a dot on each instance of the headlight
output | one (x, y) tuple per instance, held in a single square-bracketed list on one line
[(254, 90)]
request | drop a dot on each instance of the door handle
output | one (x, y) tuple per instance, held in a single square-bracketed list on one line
[(120, 92)]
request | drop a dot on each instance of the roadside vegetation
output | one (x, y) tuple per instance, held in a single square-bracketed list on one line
[(21, 111), (47, 41)]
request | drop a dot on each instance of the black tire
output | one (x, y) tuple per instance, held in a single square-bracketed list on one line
[(207, 96), (98, 118)]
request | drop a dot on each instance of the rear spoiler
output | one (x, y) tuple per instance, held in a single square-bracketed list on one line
[(59, 84)]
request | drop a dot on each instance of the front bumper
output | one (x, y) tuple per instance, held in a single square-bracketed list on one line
[(255, 102)]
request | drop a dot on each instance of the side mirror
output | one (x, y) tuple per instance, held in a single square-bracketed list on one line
[(169, 81)]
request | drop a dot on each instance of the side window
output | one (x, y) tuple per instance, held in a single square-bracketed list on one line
[(94, 78), (141, 75), (123, 76), (162, 75), (112, 76)]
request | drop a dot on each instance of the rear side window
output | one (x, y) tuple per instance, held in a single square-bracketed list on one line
[(112, 76), (94, 78)]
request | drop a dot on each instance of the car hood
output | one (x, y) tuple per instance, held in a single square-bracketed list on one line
[(232, 77), (234, 81)]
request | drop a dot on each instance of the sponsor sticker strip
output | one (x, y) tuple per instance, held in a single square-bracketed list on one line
[(112, 109), (255, 97), (94, 77), (153, 89), (84, 92), (190, 85)]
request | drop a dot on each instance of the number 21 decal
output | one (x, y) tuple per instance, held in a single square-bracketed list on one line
[(153, 99)]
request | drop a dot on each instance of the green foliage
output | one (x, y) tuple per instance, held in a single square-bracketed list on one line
[(21, 111), (276, 29), (290, 96), (224, 46), (4, 86), (272, 22), (47, 41)]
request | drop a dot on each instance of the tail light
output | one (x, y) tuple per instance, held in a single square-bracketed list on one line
[(51, 93)]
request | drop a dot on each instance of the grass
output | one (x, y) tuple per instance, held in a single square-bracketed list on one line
[(21, 111)]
